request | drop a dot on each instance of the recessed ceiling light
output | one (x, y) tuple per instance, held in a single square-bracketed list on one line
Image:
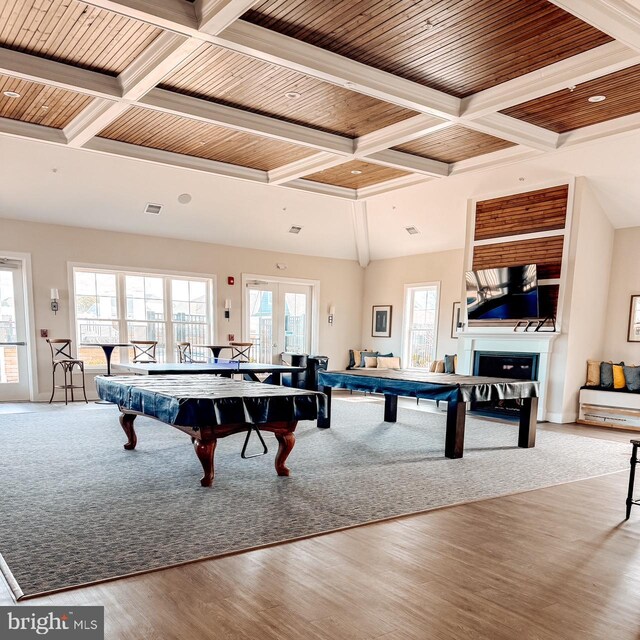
[(429, 25), (412, 231), (292, 95), (45, 107), (184, 198), (597, 98), (11, 94), (356, 172), (295, 229)]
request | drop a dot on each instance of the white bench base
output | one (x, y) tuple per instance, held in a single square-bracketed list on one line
[(609, 409)]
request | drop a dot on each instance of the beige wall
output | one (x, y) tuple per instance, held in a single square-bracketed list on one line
[(625, 282), (384, 284), (52, 247)]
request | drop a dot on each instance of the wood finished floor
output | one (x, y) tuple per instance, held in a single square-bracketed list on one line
[(555, 563)]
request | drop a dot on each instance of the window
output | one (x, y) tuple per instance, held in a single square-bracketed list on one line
[(117, 306), (421, 324)]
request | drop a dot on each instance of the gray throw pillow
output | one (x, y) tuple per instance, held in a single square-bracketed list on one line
[(449, 364), (632, 376), (367, 354)]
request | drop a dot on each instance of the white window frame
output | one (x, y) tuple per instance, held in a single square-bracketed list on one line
[(406, 320), (120, 273)]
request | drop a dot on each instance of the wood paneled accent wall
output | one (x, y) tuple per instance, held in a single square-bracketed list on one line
[(530, 213)]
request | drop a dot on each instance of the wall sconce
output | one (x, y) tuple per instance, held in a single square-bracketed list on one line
[(332, 312), (55, 296), (227, 308)]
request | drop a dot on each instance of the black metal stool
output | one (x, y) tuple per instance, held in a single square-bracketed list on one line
[(632, 477)]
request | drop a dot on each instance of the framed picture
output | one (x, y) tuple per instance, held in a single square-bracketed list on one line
[(634, 320), (381, 321), (455, 320)]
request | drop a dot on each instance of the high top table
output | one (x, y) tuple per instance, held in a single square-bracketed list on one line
[(456, 390)]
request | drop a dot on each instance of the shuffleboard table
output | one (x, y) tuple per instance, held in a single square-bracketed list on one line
[(456, 390), (208, 407)]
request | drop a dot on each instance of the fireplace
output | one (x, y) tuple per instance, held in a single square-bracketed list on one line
[(500, 364)]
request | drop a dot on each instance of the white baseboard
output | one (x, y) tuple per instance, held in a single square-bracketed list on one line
[(562, 418)]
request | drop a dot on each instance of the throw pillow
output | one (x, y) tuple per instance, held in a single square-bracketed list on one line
[(386, 362), (439, 366), (432, 366), (618, 377), (449, 364), (632, 376), (370, 362), (606, 374), (366, 354), (593, 373)]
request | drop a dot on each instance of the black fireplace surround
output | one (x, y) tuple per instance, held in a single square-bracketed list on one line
[(501, 364)]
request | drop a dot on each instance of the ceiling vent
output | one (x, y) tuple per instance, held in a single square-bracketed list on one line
[(412, 231), (295, 229), (153, 209)]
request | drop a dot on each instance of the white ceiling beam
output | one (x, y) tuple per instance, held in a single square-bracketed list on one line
[(174, 15), (495, 159), (27, 130), (513, 130), (617, 18), (594, 132), (168, 158), (57, 74), (399, 133), (409, 162), (583, 67), (391, 185), (319, 63), (320, 188), (87, 124), (305, 166), (216, 15), (361, 232), (241, 120)]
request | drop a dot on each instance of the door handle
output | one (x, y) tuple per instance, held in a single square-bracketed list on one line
[(12, 344)]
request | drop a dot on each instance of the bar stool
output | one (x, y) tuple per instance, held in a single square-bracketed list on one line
[(144, 351), (61, 358), (240, 351)]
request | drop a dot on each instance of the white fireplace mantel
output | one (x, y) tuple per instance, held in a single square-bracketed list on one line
[(539, 342)]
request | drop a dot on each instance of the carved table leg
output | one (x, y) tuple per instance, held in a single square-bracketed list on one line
[(205, 450), (286, 440), (126, 422)]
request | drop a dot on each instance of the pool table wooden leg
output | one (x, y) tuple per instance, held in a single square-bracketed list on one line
[(126, 422), (286, 440), (205, 450)]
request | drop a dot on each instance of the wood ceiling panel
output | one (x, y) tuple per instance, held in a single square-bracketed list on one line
[(39, 103), (568, 110), (458, 47), (165, 131), (342, 176), (73, 32), (230, 78), (454, 144)]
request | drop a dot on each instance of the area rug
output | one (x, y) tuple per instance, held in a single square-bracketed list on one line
[(76, 508)]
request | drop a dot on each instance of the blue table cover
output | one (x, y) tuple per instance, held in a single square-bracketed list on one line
[(432, 386), (205, 400)]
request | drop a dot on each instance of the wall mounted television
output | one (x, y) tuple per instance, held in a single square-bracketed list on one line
[(505, 293)]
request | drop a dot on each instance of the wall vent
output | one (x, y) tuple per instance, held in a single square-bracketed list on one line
[(412, 231), (153, 209), (295, 229)]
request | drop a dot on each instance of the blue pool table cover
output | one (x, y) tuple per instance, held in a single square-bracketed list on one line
[(206, 401)]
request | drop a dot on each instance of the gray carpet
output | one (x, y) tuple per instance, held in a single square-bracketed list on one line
[(77, 508)]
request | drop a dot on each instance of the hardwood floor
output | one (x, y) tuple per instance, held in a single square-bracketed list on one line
[(555, 563)]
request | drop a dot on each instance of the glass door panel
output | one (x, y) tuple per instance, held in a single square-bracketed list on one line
[(260, 298)]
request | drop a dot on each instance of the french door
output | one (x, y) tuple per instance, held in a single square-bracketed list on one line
[(14, 364), (277, 319)]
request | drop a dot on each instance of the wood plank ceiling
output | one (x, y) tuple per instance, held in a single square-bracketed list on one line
[(165, 131), (74, 33), (39, 104), (458, 47), (248, 98), (454, 144), (227, 77)]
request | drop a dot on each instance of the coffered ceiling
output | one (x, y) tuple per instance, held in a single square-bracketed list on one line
[(344, 98)]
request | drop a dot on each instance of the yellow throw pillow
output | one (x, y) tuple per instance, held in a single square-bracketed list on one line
[(356, 358), (370, 362), (619, 381), (593, 373), (388, 363), (439, 366)]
